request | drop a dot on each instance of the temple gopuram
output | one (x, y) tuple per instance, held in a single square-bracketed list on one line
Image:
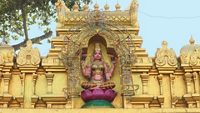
[(96, 64)]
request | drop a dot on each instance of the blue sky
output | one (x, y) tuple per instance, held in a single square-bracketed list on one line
[(176, 31), (171, 20)]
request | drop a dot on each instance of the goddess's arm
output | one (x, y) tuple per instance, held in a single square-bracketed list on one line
[(108, 71), (87, 71)]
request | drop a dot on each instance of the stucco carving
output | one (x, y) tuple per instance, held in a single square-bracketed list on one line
[(195, 57), (28, 55), (6, 54), (165, 56), (190, 54)]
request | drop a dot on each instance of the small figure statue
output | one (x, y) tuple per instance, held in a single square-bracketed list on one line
[(98, 69)]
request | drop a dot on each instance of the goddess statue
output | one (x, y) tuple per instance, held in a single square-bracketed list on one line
[(98, 70)]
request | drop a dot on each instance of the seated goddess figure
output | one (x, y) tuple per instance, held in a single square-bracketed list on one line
[(98, 70)]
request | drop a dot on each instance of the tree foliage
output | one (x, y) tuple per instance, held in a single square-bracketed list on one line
[(16, 17)]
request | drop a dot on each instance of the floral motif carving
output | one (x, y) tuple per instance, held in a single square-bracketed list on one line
[(165, 56), (28, 55)]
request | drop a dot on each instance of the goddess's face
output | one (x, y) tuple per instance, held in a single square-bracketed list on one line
[(97, 55)]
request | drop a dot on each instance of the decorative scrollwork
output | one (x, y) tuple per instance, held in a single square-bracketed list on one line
[(165, 56), (160, 61), (195, 57)]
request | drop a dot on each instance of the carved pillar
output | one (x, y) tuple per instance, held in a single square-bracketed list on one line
[(22, 75), (1, 90), (188, 80), (49, 77), (34, 82), (172, 77), (160, 80), (196, 82), (198, 74), (144, 78), (6, 96), (196, 88), (6, 79)]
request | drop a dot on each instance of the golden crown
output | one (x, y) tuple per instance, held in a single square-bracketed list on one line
[(97, 47)]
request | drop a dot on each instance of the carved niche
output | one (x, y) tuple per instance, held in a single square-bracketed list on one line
[(165, 56), (28, 55)]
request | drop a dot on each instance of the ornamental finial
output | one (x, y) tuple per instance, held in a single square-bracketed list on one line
[(134, 5), (96, 7), (106, 7), (117, 6), (164, 44), (192, 41), (29, 44), (75, 7), (85, 7)]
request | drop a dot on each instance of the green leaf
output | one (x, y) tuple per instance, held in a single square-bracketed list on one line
[(38, 12)]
